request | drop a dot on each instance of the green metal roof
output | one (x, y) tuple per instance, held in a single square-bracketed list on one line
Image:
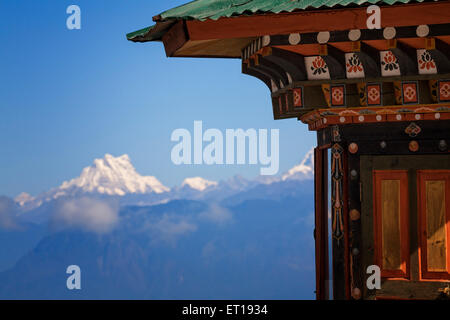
[(215, 9)]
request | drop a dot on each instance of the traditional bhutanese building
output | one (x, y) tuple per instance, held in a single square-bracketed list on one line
[(374, 83)]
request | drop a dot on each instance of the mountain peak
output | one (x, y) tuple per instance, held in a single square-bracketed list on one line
[(23, 198), (114, 176), (198, 183), (303, 171)]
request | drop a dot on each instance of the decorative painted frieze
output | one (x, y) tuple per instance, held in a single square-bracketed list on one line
[(337, 95), (410, 92), (374, 94), (444, 91), (298, 97)]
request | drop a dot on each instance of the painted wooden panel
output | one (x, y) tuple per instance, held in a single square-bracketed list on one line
[(317, 68), (410, 92), (434, 223), (389, 64), (443, 93), (426, 64), (391, 222), (354, 67)]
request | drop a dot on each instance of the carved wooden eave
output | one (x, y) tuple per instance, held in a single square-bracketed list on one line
[(280, 48), (346, 63)]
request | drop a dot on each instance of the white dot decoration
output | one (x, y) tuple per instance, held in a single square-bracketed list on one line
[(323, 37), (423, 30), (294, 38), (324, 120), (417, 116), (389, 33), (399, 117), (437, 116), (342, 119), (378, 117), (361, 118), (265, 41), (354, 35)]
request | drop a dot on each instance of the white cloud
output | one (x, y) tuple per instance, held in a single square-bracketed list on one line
[(307, 220), (169, 227), (216, 214), (198, 183), (87, 214)]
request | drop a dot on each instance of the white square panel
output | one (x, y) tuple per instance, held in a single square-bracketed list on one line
[(425, 62), (389, 64), (316, 68), (353, 66)]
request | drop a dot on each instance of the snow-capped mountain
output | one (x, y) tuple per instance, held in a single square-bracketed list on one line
[(109, 176), (198, 183), (23, 198), (113, 176), (116, 177), (303, 171)]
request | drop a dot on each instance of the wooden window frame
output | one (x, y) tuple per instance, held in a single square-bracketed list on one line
[(422, 177), (402, 175)]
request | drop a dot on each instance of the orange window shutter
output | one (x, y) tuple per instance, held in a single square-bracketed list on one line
[(434, 223), (391, 222)]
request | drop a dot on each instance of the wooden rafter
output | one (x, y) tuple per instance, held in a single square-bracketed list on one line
[(293, 63), (251, 72), (335, 60), (272, 68), (275, 85), (370, 59), (440, 52), (406, 57)]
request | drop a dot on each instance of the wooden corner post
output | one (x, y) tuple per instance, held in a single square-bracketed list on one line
[(321, 222)]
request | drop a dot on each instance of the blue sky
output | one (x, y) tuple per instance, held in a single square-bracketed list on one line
[(70, 96)]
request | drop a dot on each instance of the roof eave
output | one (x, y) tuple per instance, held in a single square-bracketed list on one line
[(152, 33)]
